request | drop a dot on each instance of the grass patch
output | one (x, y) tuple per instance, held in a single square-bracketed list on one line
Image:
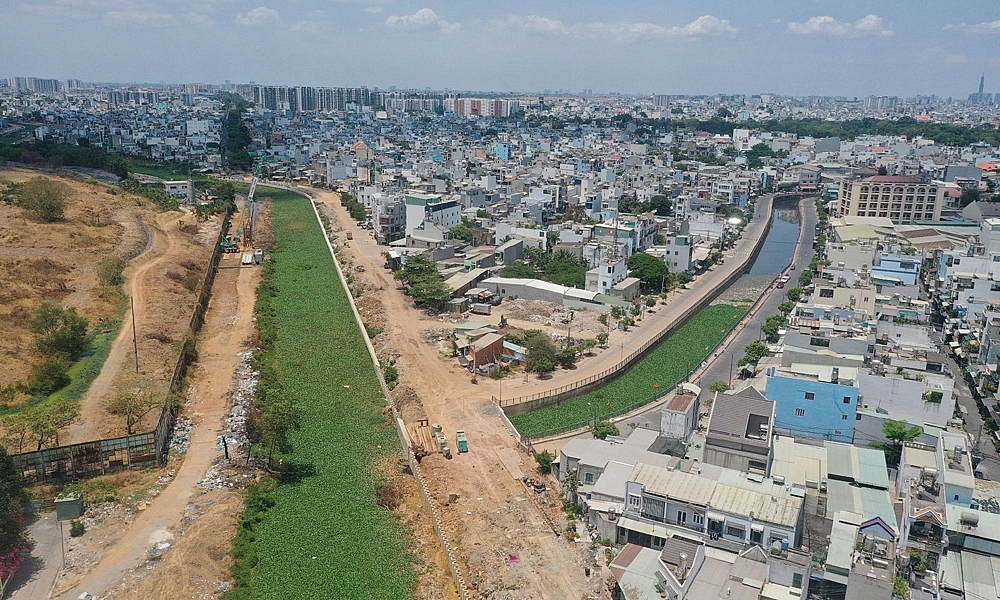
[(655, 374), (82, 373), (324, 534)]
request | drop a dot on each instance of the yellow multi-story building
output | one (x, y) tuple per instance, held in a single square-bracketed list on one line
[(901, 199)]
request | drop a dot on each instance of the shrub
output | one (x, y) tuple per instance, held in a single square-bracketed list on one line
[(545, 460), (602, 429), (44, 198), (76, 528), (47, 377)]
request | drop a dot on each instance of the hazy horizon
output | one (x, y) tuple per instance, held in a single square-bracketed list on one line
[(848, 48)]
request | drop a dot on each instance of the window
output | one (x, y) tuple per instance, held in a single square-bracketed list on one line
[(847, 399), (843, 417), (797, 580), (757, 466), (800, 412), (653, 508), (810, 395), (818, 341), (698, 519), (956, 496), (826, 293), (756, 535), (633, 501), (736, 532), (588, 478), (857, 417), (682, 517)]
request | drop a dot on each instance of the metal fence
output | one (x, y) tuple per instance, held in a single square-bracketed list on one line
[(100, 457)]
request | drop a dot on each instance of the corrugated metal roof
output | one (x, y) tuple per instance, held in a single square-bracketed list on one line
[(863, 465), (979, 576), (703, 491)]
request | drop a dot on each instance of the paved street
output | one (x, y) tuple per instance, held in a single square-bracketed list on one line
[(990, 465), (38, 573)]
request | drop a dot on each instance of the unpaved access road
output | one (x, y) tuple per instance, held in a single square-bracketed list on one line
[(492, 518), (89, 425), (228, 325)]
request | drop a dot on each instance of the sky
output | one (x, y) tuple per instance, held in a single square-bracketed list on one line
[(795, 47)]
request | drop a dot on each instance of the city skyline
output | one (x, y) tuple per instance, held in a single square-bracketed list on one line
[(789, 48)]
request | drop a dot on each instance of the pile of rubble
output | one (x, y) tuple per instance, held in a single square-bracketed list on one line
[(235, 430), (182, 435)]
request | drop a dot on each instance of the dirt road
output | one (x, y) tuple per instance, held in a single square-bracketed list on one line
[(228, 325), (492, 519), (89, 428)]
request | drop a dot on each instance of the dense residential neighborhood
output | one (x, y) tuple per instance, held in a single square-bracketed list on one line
[(851, 452)]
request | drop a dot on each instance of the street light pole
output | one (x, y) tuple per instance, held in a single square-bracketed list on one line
[(732, 357)]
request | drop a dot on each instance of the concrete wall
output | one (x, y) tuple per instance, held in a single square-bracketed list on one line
[(826, 415)]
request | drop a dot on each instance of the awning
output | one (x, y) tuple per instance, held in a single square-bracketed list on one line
[(756, 527), (714, 516), (643, 527)]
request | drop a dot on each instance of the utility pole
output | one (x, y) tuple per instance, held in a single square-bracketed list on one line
[(135, 338)]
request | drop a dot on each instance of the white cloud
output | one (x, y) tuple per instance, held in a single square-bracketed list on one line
[(955, 59), (137, 17), (315, 22), (373, 9), (702, 26), (827, 25), (985, 27), (261, 15), (423, 19)]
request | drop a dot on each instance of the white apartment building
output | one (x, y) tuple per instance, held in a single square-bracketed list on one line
[(901, 199)]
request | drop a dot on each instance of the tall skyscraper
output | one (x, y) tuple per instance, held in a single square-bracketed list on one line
[(982, 82)]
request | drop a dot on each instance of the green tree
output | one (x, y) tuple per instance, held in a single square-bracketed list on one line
[(753, 352), (661, 205), (566, 358), (48, 376), (602, 429), (119, 167), (786, 307), (564, 268), (541, 352), (718, 386), (794, 295), (898, 433), (463, 232), (519, 269), (12, 499), (44, 198), (60, 331), (544, 459), (602, 339), (771, 327), (968, 197), (652, 271)]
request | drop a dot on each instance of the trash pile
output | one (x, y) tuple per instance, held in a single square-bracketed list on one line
[(219, 476), (182, 435), (235, 431)]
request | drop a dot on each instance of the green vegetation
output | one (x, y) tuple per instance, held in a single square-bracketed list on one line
[(43, 198), (424, 282), (355, 208), (54, 154), (602, 429), (237, 140), (545, 460), (718, 387), (542, 353), (14, 543), (231, 101), (561, 268), (654, 273), (464, 231), (654, 375), (753, 352), (153, 193), (326, 504), (897, 433)]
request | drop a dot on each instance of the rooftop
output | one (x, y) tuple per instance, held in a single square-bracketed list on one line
[(744, 416)]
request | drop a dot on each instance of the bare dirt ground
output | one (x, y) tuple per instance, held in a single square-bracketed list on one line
[(198, 525), (506, 544), (163, 285), (57, 261)]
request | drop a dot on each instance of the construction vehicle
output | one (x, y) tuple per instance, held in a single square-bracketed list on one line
[(461, 441)]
